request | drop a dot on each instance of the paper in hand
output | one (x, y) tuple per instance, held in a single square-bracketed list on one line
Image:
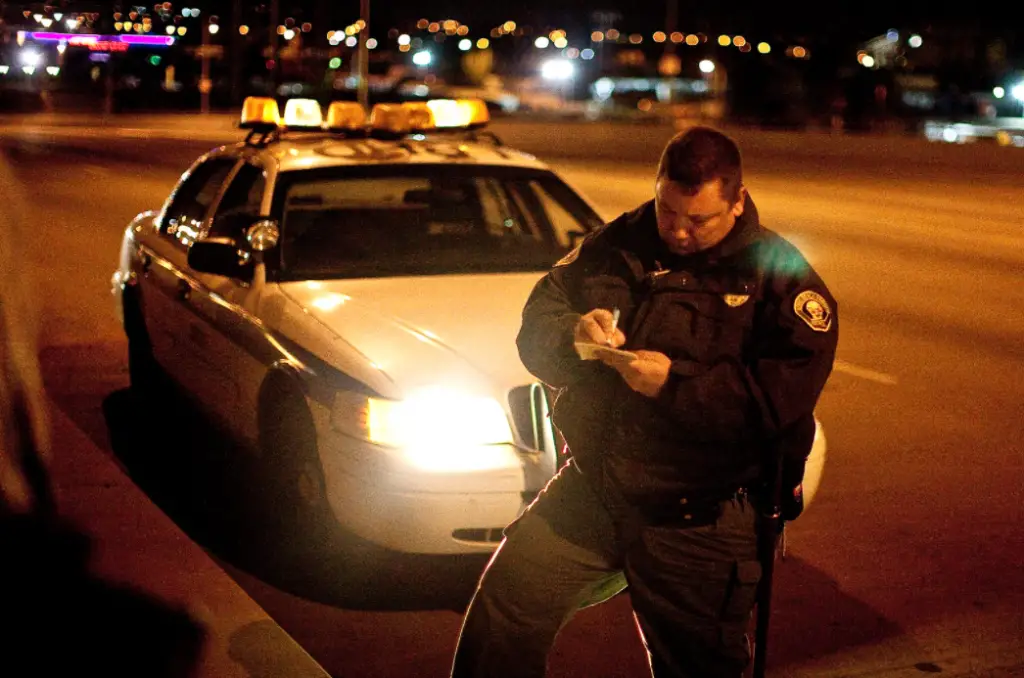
[(606, 354)]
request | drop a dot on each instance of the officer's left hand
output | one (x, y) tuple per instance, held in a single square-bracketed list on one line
[(647, 374)]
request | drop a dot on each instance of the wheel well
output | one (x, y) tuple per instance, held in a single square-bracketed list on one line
[(281, 388)]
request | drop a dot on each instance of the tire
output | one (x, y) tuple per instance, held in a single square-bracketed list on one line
[(144, 374), (295, 499)]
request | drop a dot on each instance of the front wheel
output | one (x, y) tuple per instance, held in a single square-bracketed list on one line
[(295, 503)]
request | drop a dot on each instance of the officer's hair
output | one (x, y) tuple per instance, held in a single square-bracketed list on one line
[(702, 154)]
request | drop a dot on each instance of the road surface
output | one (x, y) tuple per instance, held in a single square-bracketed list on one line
[(911, 559)]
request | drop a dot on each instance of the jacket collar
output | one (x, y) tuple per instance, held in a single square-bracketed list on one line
[(637, 231)]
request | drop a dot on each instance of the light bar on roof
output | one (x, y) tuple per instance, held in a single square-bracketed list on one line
[(303, 113), (345, 116), (391, 119), (260, 112), (459, 112)]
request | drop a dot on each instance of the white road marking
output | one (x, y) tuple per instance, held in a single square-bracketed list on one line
[(863, 373)]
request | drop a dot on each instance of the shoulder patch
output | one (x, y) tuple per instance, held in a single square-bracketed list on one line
[(814, 310)]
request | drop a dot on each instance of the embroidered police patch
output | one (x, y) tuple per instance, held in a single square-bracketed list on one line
[(570, 257), (735, 300), (812, 308)]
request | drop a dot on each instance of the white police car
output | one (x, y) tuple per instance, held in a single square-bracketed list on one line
[(342, 293)]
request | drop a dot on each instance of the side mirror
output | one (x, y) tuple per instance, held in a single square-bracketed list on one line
[(220, 257), (263, 235)]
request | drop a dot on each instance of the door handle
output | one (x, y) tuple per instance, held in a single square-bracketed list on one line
[(184, 290)]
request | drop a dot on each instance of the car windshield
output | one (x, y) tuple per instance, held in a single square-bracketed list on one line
[(424, 220)]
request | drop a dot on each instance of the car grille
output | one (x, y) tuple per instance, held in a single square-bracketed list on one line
[(531, 415)]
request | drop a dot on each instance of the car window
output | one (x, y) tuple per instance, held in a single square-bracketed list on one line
[(193, 199), (424, 219), (241, 203)]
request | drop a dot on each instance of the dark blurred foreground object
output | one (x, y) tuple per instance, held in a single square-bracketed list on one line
[(58, 618)]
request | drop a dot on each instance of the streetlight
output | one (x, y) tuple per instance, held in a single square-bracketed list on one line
[(1018, 93), (707, 66), (422, 58), (557, 69)]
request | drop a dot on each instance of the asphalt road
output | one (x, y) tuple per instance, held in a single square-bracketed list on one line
[(911, 559)]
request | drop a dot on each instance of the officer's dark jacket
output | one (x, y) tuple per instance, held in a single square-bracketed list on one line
[(751, 331)]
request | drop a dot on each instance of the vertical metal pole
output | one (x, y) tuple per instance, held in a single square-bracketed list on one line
[(275, 20), (364, 55), (204, 77), (237, 50), (671, 19)]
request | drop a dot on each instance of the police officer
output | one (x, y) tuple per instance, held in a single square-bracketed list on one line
[(734, 335)]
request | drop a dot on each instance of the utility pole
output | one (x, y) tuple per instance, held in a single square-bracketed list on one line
[(275, 20), (364, 55), (237, 51), (671, 19), (204, 78)]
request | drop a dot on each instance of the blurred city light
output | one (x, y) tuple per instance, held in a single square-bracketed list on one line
[(465, 44), (634, 39), (660, 36), (371, 43), (612, 34), (764, 47), (483, 43), (214, 29), (739, 41), (724, 40), (587, 54), (351, 41), (561, 43), (557, 69), (4, 69), (53, 70), (692, 39), (868, 61), (998, 92), (915, 41), (243, 30), (509, 26), (28, 70), (335, 63), (30, 57), (62, 47), (422, 58), (892, 35), (1018, 92), (72, 24), (541, 42), (404, 39), (170, 30), (422, 24), (289, 34), (707, 66), (182, 30), (676, 37)]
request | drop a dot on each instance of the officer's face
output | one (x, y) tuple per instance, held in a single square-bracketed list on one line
[(691, 222)]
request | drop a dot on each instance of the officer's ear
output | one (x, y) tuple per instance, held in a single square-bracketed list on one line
[(741, 199)]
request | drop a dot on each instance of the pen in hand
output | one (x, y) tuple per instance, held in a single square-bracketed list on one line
[(615, 324)]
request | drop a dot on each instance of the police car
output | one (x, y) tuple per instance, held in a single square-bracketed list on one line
[(341, 292)]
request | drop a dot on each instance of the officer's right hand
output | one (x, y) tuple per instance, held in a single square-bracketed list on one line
[(595, 327)]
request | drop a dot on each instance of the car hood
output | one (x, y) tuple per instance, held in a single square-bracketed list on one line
[(452, 330)]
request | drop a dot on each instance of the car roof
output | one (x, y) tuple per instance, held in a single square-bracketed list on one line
[(316, 151)]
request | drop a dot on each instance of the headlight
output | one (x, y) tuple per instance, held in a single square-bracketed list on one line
[(435, 429)]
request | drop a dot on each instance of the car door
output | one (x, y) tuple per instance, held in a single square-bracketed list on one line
[(175, 334), (232, 369)]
